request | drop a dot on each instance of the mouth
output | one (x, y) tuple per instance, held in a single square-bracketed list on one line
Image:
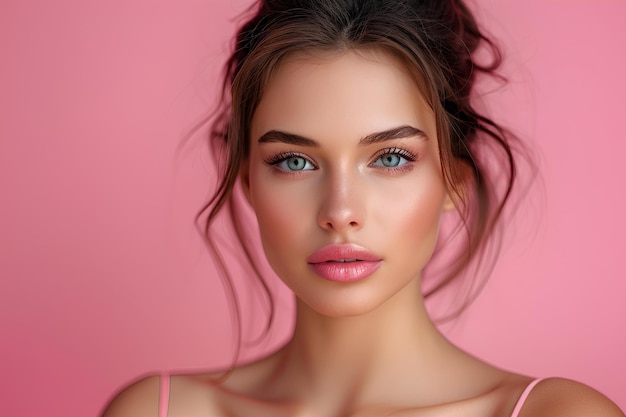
[(344, 263), (345, 253)]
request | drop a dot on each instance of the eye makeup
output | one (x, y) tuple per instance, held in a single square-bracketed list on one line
[(409, 156), (277, 161), (398, 160)]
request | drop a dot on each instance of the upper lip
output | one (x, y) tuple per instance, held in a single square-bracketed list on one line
[(344, 252)]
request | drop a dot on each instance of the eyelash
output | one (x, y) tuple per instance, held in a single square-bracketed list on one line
[(403, 153), (275, 159)]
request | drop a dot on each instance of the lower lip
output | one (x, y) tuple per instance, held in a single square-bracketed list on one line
[(345, 271)]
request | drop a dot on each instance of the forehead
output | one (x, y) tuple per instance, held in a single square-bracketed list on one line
[(350, 93)]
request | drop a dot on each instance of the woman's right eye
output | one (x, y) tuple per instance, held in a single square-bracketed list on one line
[(293, 163)]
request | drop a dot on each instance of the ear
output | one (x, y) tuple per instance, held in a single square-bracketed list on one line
[(455, 197), (244, 178), (449, 201)]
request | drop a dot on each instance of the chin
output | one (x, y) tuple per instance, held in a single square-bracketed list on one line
[(346, 301)]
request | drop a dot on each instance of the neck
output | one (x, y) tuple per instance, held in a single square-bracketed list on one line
[(350, 356)]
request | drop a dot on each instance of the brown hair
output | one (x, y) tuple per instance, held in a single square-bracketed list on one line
[(438, 41)]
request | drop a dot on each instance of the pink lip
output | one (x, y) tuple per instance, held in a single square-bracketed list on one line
[(344, 263)]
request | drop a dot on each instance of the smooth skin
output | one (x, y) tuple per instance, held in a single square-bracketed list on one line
[(365, 348)]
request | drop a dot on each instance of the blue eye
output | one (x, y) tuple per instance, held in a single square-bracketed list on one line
[(294, 163), (392, 159)]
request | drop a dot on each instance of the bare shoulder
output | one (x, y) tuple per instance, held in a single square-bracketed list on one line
[(187, 395), (138, 399), (558, 397)]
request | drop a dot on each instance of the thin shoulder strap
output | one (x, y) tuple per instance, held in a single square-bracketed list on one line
[(524, 396), (164, 395)]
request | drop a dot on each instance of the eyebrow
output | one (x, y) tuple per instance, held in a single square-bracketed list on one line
[(400, 132)]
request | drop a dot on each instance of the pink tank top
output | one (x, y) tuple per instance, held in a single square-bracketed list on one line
[(164, 396)]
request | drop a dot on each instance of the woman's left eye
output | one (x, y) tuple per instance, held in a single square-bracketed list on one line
[(393, 159)]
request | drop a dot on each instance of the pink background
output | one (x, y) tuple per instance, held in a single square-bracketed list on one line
[(103, 277)]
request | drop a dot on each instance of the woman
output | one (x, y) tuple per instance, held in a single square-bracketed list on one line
[(351, 129)]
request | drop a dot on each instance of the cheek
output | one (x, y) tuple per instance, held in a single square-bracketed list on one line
[(409, 214), (283, 213)]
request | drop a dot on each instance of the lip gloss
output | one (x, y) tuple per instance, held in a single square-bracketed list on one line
[(344, 263), (345, 271)]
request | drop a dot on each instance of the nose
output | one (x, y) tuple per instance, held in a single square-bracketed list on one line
[(343, 206)]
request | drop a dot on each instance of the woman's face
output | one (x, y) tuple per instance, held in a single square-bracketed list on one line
[(345, 179)]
